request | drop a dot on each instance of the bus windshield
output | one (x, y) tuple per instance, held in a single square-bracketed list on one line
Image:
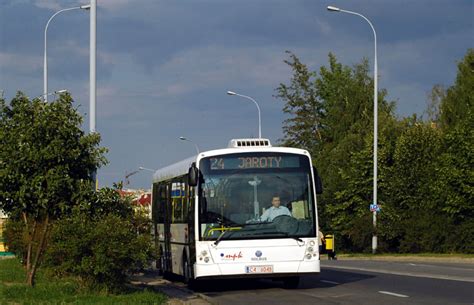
[(256, 196)]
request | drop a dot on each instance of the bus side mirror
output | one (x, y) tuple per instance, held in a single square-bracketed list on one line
[(193, 175), (317, 181)]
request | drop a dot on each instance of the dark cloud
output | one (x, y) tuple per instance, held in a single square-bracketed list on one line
[(164, 66)]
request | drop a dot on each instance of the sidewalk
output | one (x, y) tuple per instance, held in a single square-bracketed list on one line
[(177, 292)]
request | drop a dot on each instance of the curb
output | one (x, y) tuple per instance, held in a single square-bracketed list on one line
[(178, 293)]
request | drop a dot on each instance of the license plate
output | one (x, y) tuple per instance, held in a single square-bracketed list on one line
[(259, 269)]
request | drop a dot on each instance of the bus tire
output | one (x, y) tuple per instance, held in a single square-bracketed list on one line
[(161, 263), (291, 282), (187, 272)]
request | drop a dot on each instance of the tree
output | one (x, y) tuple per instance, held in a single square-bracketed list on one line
[(458, 105), (331, 115), (303, 128), (435, 97), (454, 185), (410, 190), (425, 168), (47, 164)]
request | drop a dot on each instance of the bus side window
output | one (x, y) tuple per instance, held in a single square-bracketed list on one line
[(155, 203), (179, 201), (161, 201)]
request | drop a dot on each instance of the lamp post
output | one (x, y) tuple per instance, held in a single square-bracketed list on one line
[(258, 108), (92, 66), (374, 217), (45, 60), (195, 145)]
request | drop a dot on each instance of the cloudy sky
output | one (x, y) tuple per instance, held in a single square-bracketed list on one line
[(163, 67)]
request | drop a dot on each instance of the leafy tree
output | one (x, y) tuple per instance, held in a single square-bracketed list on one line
[(435, 97), (350, 216), (426, 172), (454, 173), (303, 128), (331, 115), (410, 189), (47, 162), (458, 105)]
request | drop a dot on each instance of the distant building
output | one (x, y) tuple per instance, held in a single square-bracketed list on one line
[(140, 198), (3, 250)]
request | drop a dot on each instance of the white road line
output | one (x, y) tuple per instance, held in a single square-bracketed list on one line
[(329, 282), (394, 294), (423, 275)]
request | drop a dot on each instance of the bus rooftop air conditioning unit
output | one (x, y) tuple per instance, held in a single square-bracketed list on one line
[(249, 143)]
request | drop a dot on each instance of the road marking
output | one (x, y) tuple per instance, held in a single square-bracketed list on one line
[(329, 282), (394, 294)]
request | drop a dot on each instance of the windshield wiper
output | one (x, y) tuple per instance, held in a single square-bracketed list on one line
[(218, 240), (297, 238), (284, 233)]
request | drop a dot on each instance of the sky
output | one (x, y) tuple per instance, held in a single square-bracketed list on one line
[(164, 67)]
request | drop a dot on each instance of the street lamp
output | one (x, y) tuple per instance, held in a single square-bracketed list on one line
[(45, 63), (258, 108), (195, 145), (147, 169), (374, 218), (128, 175), (52, 93)]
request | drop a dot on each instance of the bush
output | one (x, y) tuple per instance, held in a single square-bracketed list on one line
[(100, 242), (101, 251)]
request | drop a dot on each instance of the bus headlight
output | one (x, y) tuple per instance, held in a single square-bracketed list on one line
[(310, 250), (204, 256)]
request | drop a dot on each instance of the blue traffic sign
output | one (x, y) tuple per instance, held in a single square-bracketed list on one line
[(374, 208)]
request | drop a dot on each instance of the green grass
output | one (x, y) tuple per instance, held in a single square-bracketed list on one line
[(48, 290)]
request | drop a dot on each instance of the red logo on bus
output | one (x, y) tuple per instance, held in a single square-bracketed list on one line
[(232, 256)]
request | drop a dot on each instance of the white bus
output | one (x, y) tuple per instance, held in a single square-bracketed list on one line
[(207, 214)]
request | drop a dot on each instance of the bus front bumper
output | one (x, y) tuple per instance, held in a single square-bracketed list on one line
[(231, 270)]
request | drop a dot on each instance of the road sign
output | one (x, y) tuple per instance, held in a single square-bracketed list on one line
[(374, 208)]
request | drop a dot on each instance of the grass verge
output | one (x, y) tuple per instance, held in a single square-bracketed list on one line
[(49, 290)]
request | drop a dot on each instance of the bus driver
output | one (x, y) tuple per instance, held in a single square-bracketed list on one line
[(274, 211)]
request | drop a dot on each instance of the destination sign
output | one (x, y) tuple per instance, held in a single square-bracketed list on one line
[(251, 162)]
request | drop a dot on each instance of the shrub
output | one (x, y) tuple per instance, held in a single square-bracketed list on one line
[(100, 242), (101, 251)]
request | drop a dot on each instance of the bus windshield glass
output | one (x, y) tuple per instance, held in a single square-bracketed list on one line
[(256, 196)]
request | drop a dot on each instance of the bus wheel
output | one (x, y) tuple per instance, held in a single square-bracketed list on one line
[(291, 282), (187, 273), (161, 262)]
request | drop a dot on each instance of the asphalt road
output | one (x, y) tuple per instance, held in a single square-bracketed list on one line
[(356, 282)]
